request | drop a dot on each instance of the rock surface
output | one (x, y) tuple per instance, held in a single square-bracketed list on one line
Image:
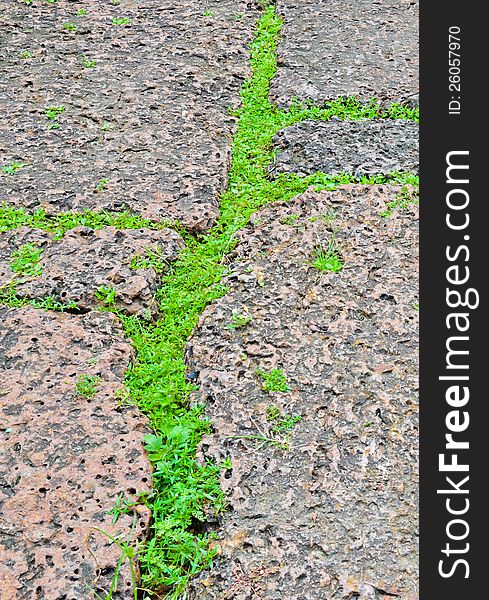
[(358, 147), (65, 457), (75, 268), (334, 517), (147, 127), (347, 48)]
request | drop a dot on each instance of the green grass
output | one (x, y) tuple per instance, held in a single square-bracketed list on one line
[(273, 381), (8, 297), (121, 21), (107, 296), (52, 113), (239, 320), (185, 492), (290, 220), (154, 258), (12, 168), (70, 27), (87, 63), (350, 109), (281, 422), (328, 259), (87, 385), (101, 185), (25, 260), (58, 224), (402, 200)]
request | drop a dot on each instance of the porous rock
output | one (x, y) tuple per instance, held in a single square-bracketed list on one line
[(348, 48), (335, 515), (65, 457), (151, 116), (76, 267), (357, 147)]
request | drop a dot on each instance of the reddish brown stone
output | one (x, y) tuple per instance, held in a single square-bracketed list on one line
[(65, 457), (83, 261)]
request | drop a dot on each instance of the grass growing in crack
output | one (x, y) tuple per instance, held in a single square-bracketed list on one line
[(8, 297), (328, 259), (70, 27), (281, 422), (101, 185), (239, 320), (129, 553), (403, 199), (52, 113), (12, 217), (121, 21), (177, 551), (154, 258), (12, 168), (25, 260), (87, 385), (351, 109), (107, 296), (87, 63), (289, 219), (186, 492), (278, 433), (273, 380)]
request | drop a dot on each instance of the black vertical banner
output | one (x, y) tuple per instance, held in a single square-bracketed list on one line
[(454, 324)]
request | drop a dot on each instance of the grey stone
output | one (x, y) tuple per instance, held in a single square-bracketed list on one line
[(335, 515), (358, 147), (334, 48), (164, 84)]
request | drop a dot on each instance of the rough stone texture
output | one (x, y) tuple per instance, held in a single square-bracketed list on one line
[(164, 83), (335, 516), (75, 267), (348, 48), (359, 147), (65, 458)]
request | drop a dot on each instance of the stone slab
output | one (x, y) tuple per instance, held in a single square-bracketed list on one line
[(335, 515), (65, 457), (357, 147), (75, 267), (341, 48), (163, 84)]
